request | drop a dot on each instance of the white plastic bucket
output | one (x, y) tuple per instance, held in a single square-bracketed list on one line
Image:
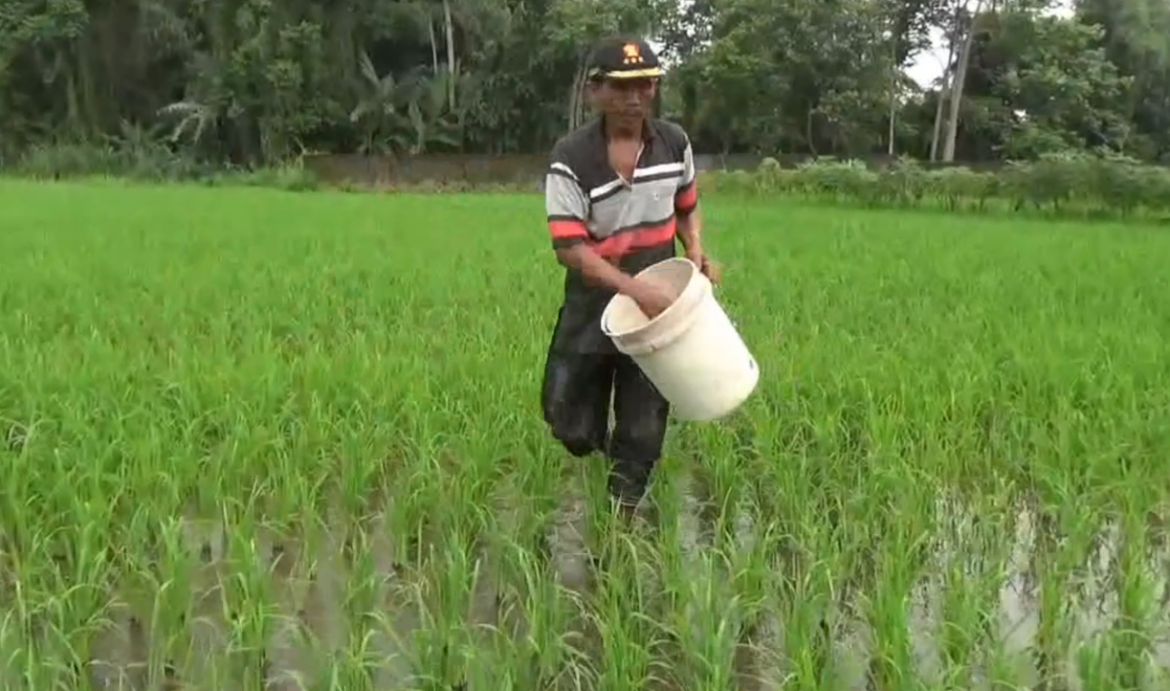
[(691, 351)]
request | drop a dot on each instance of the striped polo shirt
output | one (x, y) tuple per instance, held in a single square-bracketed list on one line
[(629, 222)]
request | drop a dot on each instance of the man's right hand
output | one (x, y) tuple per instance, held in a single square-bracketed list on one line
[(652, 299)]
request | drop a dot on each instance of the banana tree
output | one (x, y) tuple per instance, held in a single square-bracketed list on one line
[(433, 116), (380, 112)]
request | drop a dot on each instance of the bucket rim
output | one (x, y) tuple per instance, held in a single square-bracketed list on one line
[(607, 313)]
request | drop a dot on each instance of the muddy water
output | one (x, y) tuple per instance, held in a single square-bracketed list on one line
[(312, 618)]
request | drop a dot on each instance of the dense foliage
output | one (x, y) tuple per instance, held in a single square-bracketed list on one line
[(255, 81)]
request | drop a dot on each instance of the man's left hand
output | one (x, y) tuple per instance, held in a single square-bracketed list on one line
[(707, 265)]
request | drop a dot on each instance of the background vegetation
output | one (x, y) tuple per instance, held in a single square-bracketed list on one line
[(104, 85)]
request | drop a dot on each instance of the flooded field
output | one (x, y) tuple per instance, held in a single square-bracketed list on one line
[(255, 440), (984, 604)]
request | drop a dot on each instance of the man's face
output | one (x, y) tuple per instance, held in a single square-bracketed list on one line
[(627, 101)]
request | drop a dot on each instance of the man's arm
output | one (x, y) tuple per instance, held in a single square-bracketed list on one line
[(568, 208), (686, 206)]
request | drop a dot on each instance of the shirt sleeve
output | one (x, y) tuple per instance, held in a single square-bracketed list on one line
[(687, 196), (565, 202)]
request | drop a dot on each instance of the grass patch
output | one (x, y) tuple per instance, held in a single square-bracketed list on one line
[(251, 434)]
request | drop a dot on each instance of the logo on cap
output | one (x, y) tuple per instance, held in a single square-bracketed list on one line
[(633, 54)]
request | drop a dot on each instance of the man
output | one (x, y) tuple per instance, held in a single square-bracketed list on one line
[(618, 192)]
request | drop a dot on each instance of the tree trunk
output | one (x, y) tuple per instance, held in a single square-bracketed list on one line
[(943, 94), (808, 131), (893, 104), (893, 117), (434, 46), (893, 129), (960, 80), (577, 96), (944, 90), (451, 67)]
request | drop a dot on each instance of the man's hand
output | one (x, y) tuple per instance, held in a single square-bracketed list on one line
[(707, 265), (652, 299)]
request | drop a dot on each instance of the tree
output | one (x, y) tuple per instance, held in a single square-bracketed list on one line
[(257, 81)]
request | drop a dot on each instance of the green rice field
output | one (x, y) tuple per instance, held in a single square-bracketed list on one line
[(253, 439)]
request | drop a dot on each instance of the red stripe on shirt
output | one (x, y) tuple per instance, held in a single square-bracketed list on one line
[(563, 229), (628, 241)]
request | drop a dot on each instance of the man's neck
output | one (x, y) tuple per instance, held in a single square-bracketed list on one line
[(615, 132)]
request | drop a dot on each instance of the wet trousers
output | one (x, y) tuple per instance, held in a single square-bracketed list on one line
[(577, 393)]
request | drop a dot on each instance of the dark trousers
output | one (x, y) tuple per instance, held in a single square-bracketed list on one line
[(576, 397)]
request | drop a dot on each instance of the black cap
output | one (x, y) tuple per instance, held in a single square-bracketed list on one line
[(616, 58)]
